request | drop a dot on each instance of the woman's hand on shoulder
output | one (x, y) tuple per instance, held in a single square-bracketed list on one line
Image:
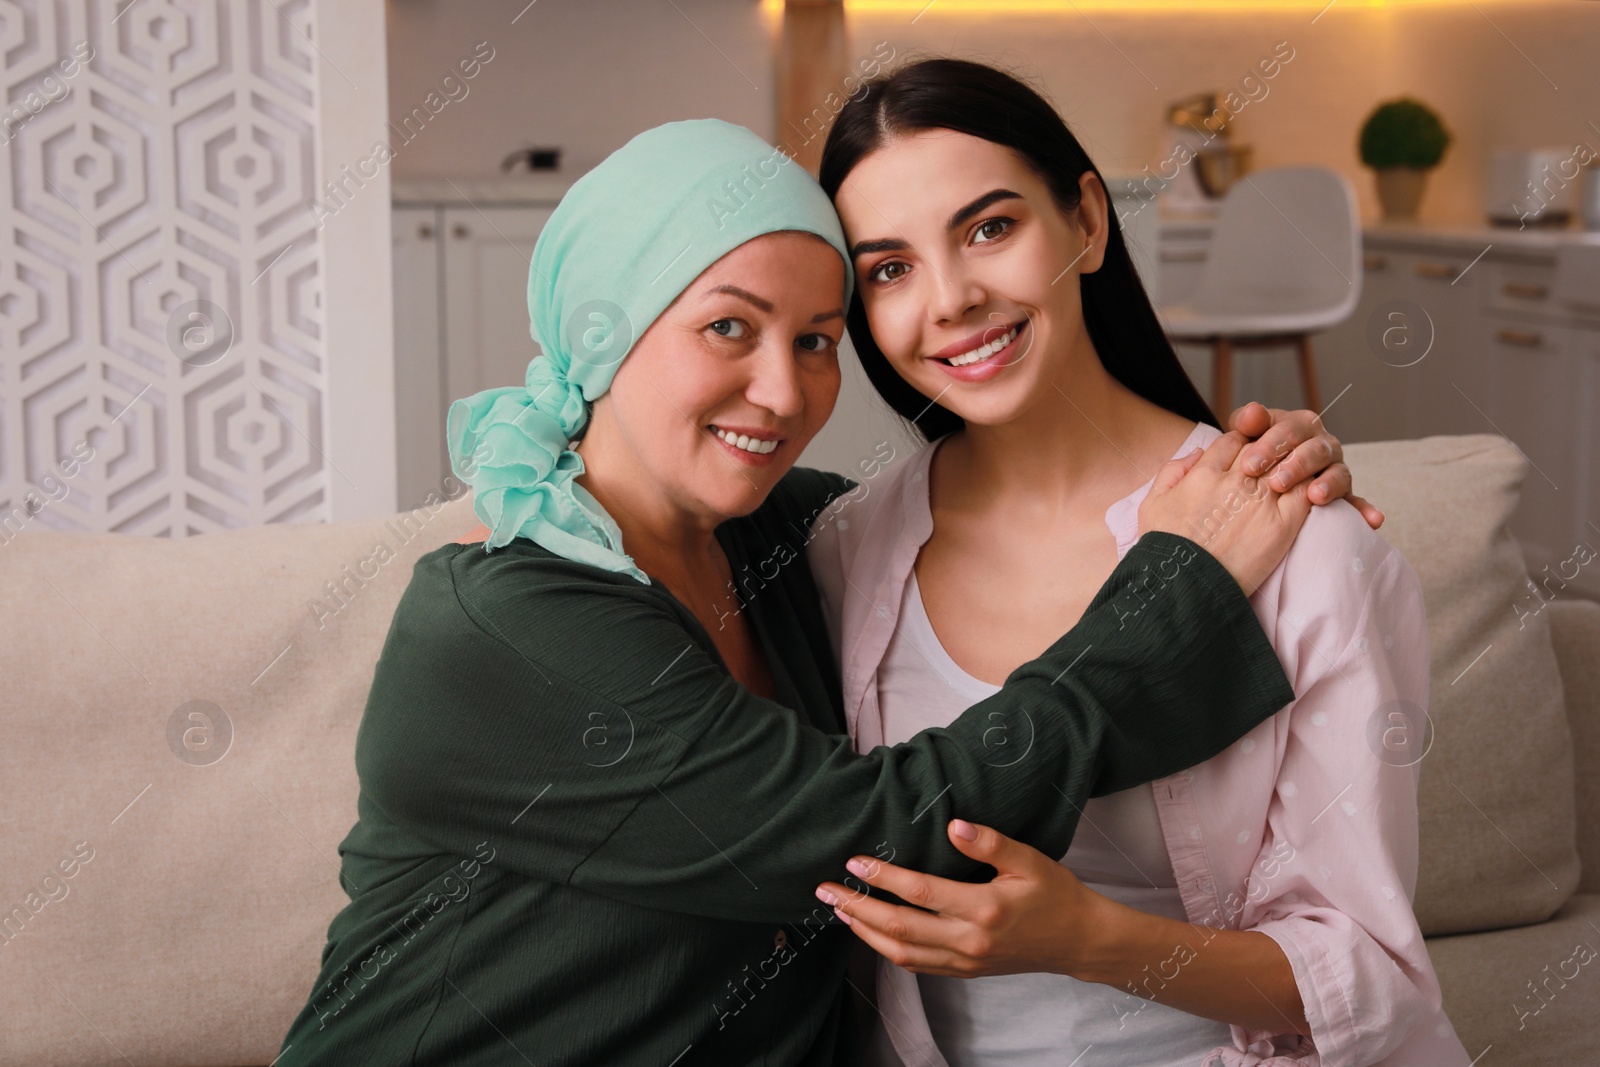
[(1296, 446), (1240, 519), (475, 536)]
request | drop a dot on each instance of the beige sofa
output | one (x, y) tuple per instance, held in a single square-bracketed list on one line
[(176, 773)]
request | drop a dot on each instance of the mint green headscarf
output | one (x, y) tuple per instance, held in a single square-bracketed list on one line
[(628, 237)]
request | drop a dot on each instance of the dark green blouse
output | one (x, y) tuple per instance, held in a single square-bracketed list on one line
[(580, 841)]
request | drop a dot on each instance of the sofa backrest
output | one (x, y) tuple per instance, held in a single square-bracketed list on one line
[(1575, 629), (1496, 800), (177, 774), (177, 777)]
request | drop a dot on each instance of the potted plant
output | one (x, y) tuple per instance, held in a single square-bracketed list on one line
[(1401, 141)]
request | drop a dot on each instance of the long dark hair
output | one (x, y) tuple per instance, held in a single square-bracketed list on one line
[(970, 98)]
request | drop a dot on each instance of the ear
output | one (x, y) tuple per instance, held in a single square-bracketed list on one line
[(1094, 220)]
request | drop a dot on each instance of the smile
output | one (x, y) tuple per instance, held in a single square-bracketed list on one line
[(983, 352), (984, 356), (754, 445)]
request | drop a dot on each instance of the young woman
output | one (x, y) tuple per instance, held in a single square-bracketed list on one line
[(599, 780), (1261, 901)]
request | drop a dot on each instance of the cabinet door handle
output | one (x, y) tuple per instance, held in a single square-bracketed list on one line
[(461, 230), (1524, 338), (1436, 270), (1527, 290), (1373, 261), (425, 232)]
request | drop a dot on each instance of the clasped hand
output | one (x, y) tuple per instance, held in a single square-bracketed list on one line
[(1034, 915)]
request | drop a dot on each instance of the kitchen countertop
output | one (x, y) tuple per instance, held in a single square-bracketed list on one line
[(510, 189), (1428, 234)]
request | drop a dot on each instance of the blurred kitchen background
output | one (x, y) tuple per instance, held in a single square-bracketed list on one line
[(1385, 210), (1478, 314)]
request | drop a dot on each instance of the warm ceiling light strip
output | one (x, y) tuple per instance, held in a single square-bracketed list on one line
[(919, 8)]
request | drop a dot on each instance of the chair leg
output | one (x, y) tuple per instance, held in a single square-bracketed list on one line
[(1222, 379), (1308, 374)]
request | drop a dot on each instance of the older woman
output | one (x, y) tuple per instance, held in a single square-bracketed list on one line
[(600, 777)]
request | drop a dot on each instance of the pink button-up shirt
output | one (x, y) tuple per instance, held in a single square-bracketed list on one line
[(1304, 829)]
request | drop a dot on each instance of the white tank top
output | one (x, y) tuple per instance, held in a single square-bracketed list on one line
[(1118, 851)]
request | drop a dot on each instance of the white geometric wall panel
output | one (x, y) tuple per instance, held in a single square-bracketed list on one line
[(162, 353)]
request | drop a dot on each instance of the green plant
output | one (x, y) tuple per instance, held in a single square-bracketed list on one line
[(1403, 133)]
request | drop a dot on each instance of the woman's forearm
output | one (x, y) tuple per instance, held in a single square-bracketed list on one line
[(1235, 976)]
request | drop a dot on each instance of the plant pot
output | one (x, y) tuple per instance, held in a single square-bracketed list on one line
[(1400, 190)]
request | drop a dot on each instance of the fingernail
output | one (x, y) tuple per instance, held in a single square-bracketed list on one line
[(825, 896), (964, 830), (1255, 465), (844, 918), (857, 868)]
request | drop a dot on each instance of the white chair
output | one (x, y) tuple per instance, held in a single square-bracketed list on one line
[(1284, 262)]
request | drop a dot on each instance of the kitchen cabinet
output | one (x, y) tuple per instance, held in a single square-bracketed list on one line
[(462, 252), (418, 367), (487, 256), (1459, 332), (1539, 405)]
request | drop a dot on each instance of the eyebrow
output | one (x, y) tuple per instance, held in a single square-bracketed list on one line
[(867, 248), (994, 196), (894, 244), (744, 294), (766, 305)]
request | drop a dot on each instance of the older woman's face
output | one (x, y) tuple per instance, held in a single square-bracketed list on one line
[(721, 394)]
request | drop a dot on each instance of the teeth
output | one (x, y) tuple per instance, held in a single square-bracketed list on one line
[(749, 444), (983, 352)]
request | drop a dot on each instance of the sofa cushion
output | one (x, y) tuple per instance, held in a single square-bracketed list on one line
[(177, 777), (1531, 994), (1575, 628), (1497, 843)]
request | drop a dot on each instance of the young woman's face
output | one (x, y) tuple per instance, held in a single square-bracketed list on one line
[(968, 269), (718, 398)]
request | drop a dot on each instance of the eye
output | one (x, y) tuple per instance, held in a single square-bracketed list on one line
[(882, 272), (733, 328), (990, 230), (817, 342)]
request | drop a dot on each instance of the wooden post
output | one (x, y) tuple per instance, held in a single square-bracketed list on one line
[(1308, 374), (811, 66), (1222, 378)]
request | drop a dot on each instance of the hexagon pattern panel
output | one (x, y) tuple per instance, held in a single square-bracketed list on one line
[(161, 339)]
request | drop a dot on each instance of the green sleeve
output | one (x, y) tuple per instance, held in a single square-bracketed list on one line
[(581, 726)]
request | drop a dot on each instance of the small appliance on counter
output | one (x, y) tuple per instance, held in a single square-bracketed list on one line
[(1533, 187), (532, 159), (1589, 195)]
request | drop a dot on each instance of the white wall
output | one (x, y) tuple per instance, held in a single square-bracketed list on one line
[(1477, 64), (586, 76)]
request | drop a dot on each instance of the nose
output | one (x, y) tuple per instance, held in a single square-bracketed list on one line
[(775, 380), (955, 294)]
